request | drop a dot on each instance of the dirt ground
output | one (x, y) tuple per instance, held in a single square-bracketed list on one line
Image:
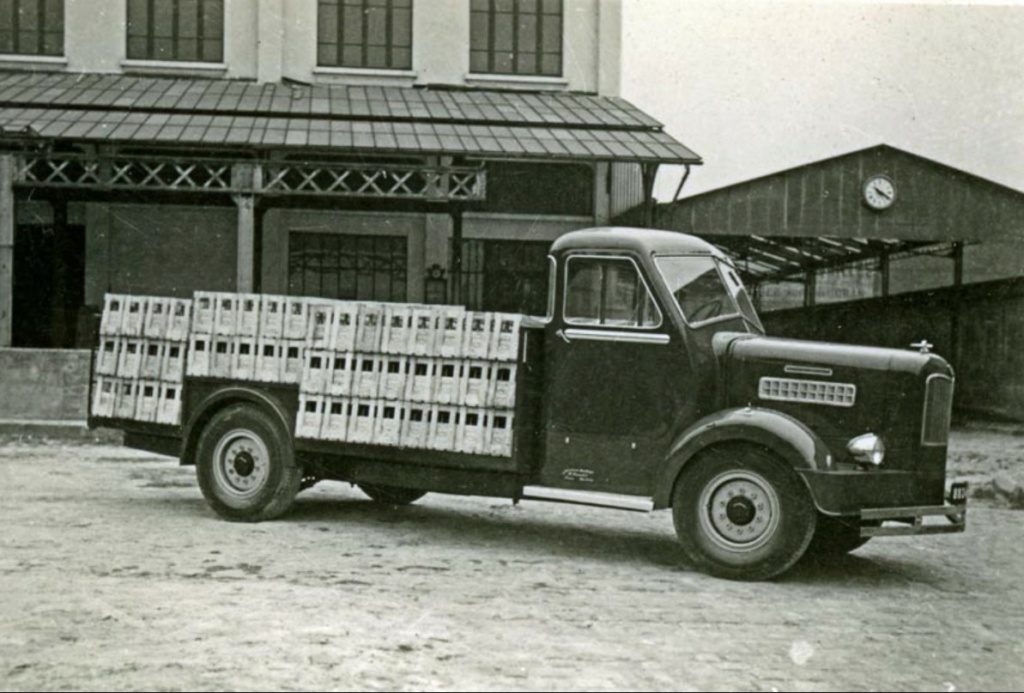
[(115, 575)]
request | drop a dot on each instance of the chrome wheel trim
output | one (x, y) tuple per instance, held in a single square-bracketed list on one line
[(739, 511)]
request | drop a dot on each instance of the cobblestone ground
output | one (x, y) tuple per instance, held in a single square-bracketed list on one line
[(115, 575)]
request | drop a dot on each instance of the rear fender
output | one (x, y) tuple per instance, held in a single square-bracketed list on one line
[(225, 397), (787, 437)]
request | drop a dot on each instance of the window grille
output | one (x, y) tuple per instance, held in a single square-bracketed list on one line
[(348, 267), (505, 276)]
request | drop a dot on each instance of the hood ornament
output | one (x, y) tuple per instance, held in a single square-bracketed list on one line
[(924, 346)]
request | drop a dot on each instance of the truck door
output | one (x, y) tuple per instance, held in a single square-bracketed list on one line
[(613, 378)]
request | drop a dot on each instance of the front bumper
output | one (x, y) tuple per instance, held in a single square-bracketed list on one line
[(914, 519)]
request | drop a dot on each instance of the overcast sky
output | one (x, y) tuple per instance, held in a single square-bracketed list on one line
[(757, 86)]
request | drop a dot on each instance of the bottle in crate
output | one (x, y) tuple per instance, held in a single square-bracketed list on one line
[(291, 362), (107, 355), (444, 428), (479, 335), (179, 318), (148, 399), (499, 437), (104, 396), (369, 328), (316, 371), (310, 416), (416, 425), (158, 311), (388, 427), (398, 329), (225, 320), (127, 394), (472, 430), (366, 376), (450, 331), (134, 316), (503, 390), (248, 315), (362, 421), (204, 308), (505, 346), (341, 373), (153, 353), (272, 310), (335, 424), (424, 330), (113, 313), (478, 383), (320, 326), (173, 368), (420, 380), (296, 316), (394, 379), (243, 365), (222, 356), (449, 384), (200, 348), (269, 359), (168, 409), (129, 359)]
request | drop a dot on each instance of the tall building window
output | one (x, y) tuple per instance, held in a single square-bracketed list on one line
[(32, 27), (516, 37), (365, 33), (188, 30)]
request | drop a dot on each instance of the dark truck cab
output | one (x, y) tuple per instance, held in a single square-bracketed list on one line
[(650, 384)]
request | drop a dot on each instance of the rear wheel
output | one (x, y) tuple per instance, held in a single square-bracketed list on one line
[(742, 514), (245, 465), (391, 495)]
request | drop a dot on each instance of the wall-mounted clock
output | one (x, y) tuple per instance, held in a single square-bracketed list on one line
[(879, 192)]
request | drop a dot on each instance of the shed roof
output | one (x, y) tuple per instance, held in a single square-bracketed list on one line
[(399, 120)]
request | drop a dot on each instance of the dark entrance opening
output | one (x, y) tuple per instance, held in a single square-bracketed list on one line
[(49, 284)]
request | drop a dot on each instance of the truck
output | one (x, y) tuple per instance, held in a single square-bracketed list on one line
[(649, 385)]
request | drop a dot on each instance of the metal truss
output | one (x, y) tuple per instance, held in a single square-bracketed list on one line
[(334, 179)]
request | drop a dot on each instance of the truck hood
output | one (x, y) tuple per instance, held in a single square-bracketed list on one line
[(839, 390)]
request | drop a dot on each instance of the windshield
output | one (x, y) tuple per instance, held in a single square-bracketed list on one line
[(706, 289)]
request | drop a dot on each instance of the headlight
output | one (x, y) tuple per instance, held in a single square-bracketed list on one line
[(867, 448)]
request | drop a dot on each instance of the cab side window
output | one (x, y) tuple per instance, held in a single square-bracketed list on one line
[(608, 291)]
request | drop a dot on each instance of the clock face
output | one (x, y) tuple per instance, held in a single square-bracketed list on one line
[(879, 192)]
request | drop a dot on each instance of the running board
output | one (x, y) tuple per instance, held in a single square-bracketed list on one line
[(603, 500)]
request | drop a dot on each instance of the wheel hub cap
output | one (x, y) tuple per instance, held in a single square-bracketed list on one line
[(739, 510), (241, 464)]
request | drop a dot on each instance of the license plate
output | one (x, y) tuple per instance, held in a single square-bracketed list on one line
[(958, 493)]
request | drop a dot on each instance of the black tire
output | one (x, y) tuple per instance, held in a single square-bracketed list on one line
[(391, 495), (246, 466), (741, 513), (836, 536)]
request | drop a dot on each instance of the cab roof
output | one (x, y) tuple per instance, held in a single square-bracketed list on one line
[(640, 241)]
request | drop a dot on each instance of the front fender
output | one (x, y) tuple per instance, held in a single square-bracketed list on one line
[(782, 434)]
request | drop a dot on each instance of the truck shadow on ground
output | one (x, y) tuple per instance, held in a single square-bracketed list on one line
[(534, 534)]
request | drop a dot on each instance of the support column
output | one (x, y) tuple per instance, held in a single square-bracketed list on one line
[(648, 172), (455, 290), (245, 177), (6, 249), (810, 288), (245, 277)]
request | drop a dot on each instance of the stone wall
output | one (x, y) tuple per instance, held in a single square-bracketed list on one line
[(44, 384)]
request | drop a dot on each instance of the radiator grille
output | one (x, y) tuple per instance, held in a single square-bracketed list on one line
[(938, 410), (809, 391)]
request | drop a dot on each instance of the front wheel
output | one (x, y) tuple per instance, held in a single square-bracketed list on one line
[(742, 514), (246, 466)]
